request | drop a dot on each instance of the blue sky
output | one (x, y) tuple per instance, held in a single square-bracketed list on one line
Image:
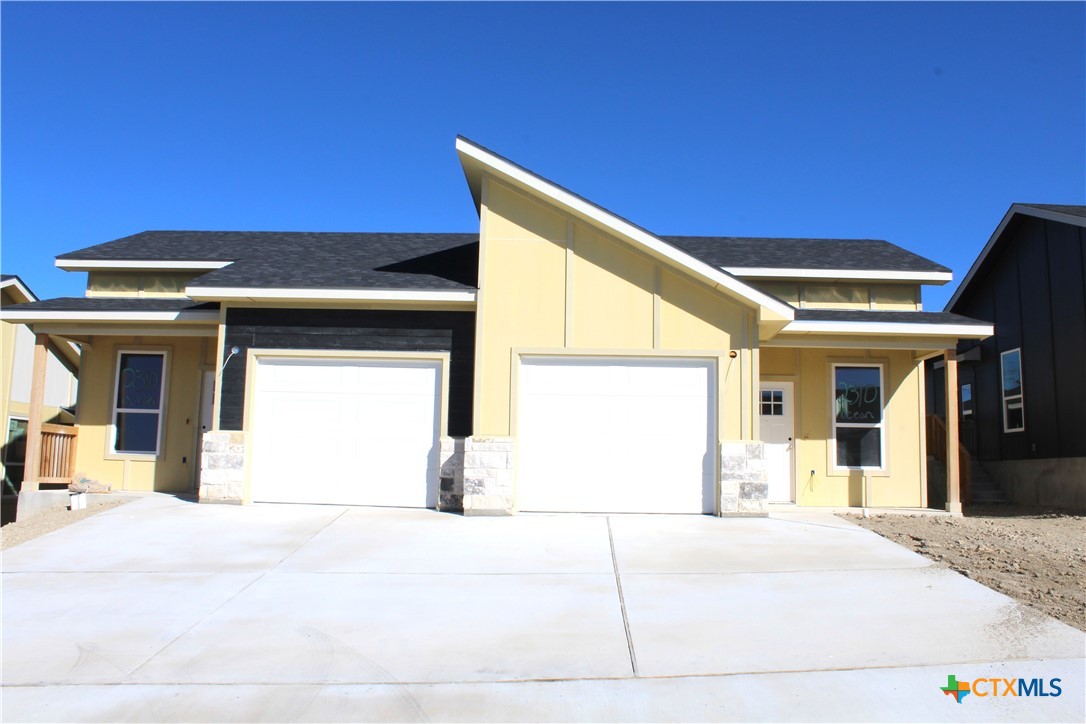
[(919, 123)]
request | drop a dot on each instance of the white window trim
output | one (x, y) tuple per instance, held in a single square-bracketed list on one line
[(881, 425), (111, 440), (961, 399), (4, 461), (1004, 398)]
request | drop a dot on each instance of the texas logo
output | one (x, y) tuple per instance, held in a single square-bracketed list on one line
[(958, 689), (999, 687)]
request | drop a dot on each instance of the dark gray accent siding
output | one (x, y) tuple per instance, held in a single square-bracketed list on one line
[(1033, 288), (356, 330)]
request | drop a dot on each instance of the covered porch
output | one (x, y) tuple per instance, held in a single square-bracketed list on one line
[(146, 384), (842, 409)]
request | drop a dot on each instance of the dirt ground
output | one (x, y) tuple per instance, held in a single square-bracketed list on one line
[(1036, 557), (13, 534)]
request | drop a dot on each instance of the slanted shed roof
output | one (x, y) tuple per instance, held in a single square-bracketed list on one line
[(478, 161)]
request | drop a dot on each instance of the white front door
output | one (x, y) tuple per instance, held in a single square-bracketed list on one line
[(345, 431), (778, 425), (616, 435)]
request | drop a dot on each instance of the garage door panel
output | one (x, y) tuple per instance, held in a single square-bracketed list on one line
[(616, 435), (341, 431)]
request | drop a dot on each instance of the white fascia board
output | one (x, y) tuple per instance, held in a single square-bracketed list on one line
[(30, 317), (1015, 209), (977, 331), (354, 295), (91, 264), (621, 227), (866, 274), (23, 289)]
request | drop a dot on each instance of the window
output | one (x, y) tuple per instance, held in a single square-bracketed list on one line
[(967, 400), (137, 417), (857, 416), (773, 402), (1014, 414), (14, 455)]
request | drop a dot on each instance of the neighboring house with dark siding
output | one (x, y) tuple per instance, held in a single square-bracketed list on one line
[(559, 358), (1023, 390)]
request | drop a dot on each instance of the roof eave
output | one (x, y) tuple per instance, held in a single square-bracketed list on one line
[(14, 283), (265, 294), (200, 316), (881, 275), (137, 264), (879, 329)]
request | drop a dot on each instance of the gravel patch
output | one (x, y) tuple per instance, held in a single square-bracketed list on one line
[(1036, 557), (47, 521)]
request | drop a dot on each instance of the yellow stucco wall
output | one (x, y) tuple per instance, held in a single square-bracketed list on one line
[(904, 480), (550, 282), (174, 469)]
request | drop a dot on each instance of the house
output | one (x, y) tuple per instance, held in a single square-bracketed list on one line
[(562, 358), (16, 372), (1022, 390)]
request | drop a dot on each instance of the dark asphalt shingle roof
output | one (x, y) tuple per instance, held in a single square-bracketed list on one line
[(1060, 208), (307, 260), (882, 316), (849, 254), (114, 304)]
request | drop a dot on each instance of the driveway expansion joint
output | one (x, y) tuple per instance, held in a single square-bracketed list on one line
[(622, 599), (230, 598)]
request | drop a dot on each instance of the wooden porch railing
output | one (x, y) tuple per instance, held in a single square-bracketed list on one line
[(57, 453), (937, 447)]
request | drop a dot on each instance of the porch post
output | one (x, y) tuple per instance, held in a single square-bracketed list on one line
[(953, 464), (32, 466)]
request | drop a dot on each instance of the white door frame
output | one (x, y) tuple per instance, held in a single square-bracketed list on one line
[(709, 361), (255, 355), (789, 413), (205, 410)]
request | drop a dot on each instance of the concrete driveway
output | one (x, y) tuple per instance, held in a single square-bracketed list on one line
[(163, 610)]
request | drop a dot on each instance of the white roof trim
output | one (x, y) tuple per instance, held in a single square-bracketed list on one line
[(18, 284), (1024, 209), (620, 226), (910, 328), (362, 295), (873, 274), (26, 317), (89, 264)]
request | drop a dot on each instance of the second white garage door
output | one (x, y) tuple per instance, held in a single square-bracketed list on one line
[(622, 435), (346, 431)]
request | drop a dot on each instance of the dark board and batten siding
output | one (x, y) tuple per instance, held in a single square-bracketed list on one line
[(354, 330), (1034, 292)]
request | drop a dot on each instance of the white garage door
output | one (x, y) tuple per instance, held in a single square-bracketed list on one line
[(622, 435), (346, 431)]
